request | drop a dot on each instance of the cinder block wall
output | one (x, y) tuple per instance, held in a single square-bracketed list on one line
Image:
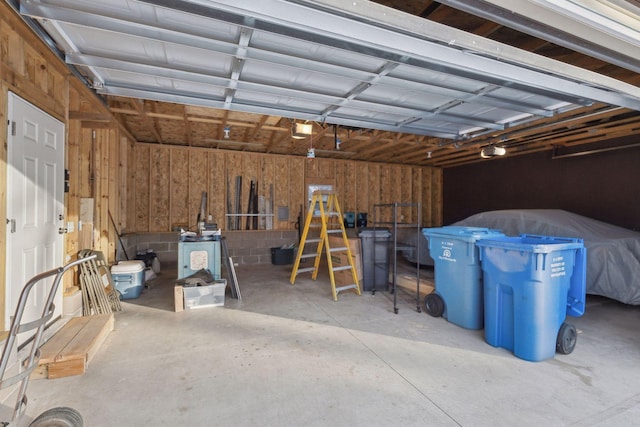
[(254, 247), (165, 245), (245, 247)]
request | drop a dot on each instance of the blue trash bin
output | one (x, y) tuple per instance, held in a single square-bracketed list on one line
[(458, 294), (531, 283)]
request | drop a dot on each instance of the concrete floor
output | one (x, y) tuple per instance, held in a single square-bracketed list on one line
[(291, 356)]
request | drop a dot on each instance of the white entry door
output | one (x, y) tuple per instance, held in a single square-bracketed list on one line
[(35, 205)]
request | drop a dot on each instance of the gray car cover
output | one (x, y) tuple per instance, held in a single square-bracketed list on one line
[(613, 253)]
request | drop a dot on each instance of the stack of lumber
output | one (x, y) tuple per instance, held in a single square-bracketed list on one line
[(71, 349)]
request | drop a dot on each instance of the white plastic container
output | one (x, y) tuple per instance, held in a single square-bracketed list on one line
[(128, 278), (211, 295)]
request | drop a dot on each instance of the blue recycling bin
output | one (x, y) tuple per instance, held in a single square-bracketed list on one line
[(458, 294), (531, 283)]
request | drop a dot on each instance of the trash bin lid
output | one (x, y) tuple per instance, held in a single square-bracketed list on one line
[(124, 267), (533, 243), (467, 234), (374, 232)]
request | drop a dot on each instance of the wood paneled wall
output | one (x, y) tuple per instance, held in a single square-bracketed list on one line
[(98, 151), (98, 155), (169, 182)]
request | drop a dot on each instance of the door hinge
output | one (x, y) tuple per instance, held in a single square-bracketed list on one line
[(12, 223), (13, 128)]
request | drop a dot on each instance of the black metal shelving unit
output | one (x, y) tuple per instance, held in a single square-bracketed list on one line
[(391, 215)]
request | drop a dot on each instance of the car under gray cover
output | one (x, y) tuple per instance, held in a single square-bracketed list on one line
[(613, 253)]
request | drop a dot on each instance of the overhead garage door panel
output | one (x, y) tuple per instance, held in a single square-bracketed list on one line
[(353, 63)]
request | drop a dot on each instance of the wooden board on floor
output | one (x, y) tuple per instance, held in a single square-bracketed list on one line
[(178, 298), (409, 283), (71, 349)]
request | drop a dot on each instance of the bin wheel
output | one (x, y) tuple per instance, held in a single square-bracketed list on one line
[(58, 417), (567, 337), (434, 305)]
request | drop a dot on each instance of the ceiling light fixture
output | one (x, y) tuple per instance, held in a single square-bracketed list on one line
[(301, 130), (492, 151)]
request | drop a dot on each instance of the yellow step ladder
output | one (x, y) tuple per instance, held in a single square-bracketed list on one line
[(325, 208)]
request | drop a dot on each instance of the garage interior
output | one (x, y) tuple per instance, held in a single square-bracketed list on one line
[(408, 101)]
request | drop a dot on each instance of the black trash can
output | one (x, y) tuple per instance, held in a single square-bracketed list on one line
[(375, 257)]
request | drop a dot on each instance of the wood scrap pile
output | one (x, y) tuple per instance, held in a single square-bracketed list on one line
[(99, 295)]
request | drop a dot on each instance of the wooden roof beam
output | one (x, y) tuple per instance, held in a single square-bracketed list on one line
[(187, 126)]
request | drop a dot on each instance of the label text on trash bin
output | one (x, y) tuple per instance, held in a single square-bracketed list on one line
[(447, 252), (558, 267)]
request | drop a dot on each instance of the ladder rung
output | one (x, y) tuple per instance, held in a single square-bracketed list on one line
[(329, 225), (344, 288)]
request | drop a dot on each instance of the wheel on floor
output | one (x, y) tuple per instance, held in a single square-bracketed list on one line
[(567, 337), (58, 417), (434, 305)]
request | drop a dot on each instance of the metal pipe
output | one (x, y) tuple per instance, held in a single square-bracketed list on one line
[(586, 153)]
